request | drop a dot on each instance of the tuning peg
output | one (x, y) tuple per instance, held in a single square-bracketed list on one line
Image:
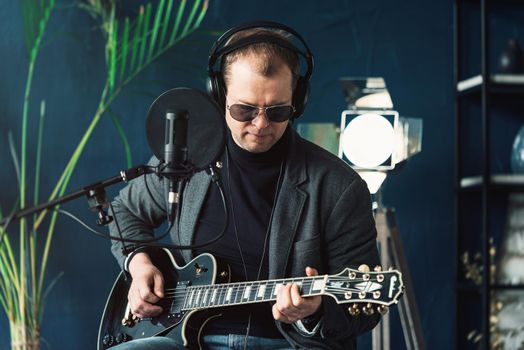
[(382, 309), (391, 268), (378, 268), (376, 294), (363, 268), (368, 309), (354, 310), (348, 295)]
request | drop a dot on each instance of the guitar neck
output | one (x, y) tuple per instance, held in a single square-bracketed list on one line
[(220, 295)]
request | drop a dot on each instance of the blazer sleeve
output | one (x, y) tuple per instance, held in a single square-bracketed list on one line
[(139, 208), (350, 240)]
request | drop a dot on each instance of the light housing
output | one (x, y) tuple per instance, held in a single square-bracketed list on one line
[(373, 137), (368, 138)]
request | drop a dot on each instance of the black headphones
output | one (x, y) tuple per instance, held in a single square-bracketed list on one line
[(215, 81)]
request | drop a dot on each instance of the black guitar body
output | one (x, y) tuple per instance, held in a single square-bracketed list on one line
[(197, 292), (118, 326)]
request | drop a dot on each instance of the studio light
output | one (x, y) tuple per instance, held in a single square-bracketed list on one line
[(373, 137)]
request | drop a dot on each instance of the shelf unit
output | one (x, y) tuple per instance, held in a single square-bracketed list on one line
[(508, 182), (499, 83), (484, 184)]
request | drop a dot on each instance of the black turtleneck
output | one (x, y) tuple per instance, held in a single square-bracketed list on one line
[(250, 184)]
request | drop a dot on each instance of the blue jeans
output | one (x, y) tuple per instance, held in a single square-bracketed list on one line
[(212, 342), (238, 342)]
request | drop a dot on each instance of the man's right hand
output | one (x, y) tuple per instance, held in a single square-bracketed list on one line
[(147, 287)]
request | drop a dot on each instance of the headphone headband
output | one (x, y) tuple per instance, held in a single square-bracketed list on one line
[(216, 86), (216, 51)]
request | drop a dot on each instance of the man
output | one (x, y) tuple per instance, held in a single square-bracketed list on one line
[(294, 208)]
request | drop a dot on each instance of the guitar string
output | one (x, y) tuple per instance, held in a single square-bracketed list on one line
[(242, 284), (178, 294), (212, 287), (233, 302)]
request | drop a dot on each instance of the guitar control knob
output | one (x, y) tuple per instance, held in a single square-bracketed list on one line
[(108, 340), (382, 309), (122, 338), (354, 310), (368, 309)]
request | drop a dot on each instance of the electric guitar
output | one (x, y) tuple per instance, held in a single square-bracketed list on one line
[(195, 293)]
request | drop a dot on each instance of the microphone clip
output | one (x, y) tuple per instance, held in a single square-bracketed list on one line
[(97, 201)]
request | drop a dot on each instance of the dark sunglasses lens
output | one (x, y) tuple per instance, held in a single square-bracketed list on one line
[(279, 113), (242, 113)]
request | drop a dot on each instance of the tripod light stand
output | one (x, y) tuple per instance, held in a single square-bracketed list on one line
[(373, 140)]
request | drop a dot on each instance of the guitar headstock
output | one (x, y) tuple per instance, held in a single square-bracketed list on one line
[(383, 288)]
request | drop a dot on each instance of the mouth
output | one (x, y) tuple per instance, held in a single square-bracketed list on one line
[(259, 135)]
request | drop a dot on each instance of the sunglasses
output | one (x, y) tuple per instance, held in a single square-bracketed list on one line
[(246, 113)]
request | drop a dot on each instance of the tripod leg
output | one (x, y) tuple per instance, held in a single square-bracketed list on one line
[(380, 335), (408, 311), (392, 254)]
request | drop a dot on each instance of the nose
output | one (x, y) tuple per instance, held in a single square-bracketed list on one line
[(261, 121)]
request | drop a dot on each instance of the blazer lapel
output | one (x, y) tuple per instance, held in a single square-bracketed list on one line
[(192, 202), (288, 210)]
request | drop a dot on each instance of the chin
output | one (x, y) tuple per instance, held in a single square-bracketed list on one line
[(257, 147)]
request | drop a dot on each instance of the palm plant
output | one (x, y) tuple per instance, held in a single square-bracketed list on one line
[(131, 46)]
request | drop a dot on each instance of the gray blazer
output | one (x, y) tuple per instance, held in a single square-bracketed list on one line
[(322, 219)]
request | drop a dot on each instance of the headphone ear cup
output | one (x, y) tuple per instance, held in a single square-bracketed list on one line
[(215, 89), (300, 96)]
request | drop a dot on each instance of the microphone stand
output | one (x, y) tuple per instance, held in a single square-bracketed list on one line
[(95, 193)]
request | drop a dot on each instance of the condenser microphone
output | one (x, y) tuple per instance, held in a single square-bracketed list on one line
[(186, 131), (175, 155)]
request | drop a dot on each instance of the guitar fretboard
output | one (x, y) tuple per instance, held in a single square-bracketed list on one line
[(219, 295)]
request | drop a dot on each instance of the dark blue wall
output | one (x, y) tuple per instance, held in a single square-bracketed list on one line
[(407, 42)]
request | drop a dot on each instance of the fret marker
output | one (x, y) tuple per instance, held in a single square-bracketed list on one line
[(318, 285), (261, 291), (277, 287), (247, 291), (228, 295), (214, 295)]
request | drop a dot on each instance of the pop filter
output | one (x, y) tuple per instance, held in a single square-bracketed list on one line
[(205, 131)]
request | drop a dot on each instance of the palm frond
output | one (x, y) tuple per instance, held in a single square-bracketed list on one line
[(125, 43), (178, 19), (39, 152), (123, 137), (156, 27), (35, 14), (147, 39), (14, 156)]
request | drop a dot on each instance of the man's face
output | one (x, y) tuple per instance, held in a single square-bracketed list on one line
[(247, 86)]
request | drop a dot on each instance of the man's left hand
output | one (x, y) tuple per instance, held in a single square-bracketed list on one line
[(291, 306)]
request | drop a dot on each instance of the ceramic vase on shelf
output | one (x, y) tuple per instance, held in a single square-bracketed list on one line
[(510, 270), (511, 59), (517, 153)]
